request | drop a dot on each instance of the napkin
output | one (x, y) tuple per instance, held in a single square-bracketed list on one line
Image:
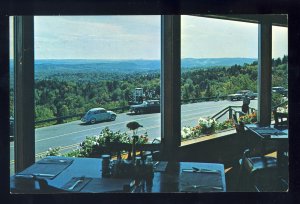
[(200, 182), (48, 168)]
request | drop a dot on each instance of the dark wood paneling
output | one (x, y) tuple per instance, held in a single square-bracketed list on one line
[(226, 150)]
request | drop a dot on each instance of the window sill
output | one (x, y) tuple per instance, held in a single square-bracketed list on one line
[(208, 137)]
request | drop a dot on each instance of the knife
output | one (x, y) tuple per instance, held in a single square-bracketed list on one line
[(35, 174), (205, 186), (194, 169), (75, 184)]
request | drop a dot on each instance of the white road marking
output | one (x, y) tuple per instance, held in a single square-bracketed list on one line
[(114, 124)]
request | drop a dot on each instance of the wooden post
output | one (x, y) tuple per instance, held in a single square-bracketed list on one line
[(24, 92), (170, 86), (4, 102), (264, 71), (230, 112)]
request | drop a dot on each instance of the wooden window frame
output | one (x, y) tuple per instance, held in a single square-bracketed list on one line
[(170, 83)]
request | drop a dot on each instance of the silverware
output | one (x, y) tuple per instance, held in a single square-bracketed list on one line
[(194, 169), (155, 164), (75, 184), (35, 174), (44, 175), (206, 186)]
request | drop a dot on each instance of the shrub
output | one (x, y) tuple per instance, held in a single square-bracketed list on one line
[(95, 146)]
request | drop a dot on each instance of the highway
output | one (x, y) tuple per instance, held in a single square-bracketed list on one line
[(67, 136)]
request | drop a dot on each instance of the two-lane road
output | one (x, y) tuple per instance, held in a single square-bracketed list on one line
[(68, 136)]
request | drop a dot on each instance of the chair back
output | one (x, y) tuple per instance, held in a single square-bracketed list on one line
[(27, 184), (239, 126), (144, 149), (119, 149)]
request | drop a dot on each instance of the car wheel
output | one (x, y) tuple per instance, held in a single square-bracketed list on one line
[(93, 121), (113, 117)]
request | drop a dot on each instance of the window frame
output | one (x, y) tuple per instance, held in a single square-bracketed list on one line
[(170, 82)]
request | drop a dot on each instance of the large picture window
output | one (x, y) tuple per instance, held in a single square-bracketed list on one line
[(95, 74), (218, 69), (92, 76)]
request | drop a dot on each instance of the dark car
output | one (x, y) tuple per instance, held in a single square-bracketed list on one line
[(240, 95), (281, 90), (148, 106)]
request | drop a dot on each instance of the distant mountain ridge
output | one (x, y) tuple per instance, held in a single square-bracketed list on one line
[(212, 62), (139, 65)]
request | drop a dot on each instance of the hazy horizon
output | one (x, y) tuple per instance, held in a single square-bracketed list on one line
[(139, 37)]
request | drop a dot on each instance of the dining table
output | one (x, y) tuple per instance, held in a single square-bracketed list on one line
[(84, 175), (278, 134)]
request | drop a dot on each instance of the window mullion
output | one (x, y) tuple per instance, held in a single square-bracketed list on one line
[(24, 140), (264, 72), (170, 85)]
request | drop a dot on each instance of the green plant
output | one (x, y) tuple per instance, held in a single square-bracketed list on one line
[(208, 125), (205, 126), (283, 109), (225, 125), (53, 151), (248, 118), (94, 146)]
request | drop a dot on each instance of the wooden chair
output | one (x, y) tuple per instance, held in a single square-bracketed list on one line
[(150, 149), (35, 185), (250, 165), (268, 180)]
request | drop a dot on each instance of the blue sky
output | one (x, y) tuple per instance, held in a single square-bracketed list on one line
[(138, 37)]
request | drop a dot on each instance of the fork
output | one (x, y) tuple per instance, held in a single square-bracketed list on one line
[(75, 184), (205, 186)]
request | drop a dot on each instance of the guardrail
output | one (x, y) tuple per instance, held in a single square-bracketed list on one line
[(194, 100), (230, 110), (61, 119)]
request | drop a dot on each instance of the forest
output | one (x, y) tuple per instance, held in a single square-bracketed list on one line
[(68, 93)]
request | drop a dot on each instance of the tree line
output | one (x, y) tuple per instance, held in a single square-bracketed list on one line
[(63, 94)]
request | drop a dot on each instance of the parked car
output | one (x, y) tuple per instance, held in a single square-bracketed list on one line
[(98, 114), (148, 106), (240, 94), (280, 90)]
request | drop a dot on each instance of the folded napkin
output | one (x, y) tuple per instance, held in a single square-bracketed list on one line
[(268, 131), (200, 182), (47, 167)]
